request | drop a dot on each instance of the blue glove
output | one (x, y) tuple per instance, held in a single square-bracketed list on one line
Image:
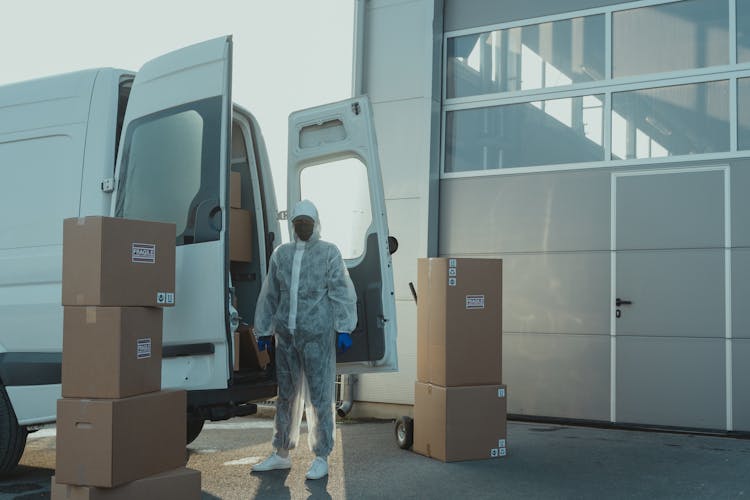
[(264, 343), (343, 341)]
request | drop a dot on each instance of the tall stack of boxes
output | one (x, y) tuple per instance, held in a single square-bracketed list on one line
[(119, 436), (460, 403)]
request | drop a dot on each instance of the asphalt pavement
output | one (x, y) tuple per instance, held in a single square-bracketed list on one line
[(544, 462)]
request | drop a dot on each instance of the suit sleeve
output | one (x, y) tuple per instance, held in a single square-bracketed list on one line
[(268, 301), (341, 293)]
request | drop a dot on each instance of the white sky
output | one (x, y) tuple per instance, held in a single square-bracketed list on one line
[(288, 54)]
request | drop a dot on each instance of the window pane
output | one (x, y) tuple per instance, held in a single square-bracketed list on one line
[(528, 57), (743, 113), (677, 36), (743, 31), (341, 193), (170, 170), (683, 119), (519, 135)]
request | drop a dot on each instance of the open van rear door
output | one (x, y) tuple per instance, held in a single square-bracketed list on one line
[(333, 162), (172, 167)]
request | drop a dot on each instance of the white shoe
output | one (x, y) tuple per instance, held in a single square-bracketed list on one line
[(274, 462), (318, 468)]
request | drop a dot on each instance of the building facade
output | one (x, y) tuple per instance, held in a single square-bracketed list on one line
[(602, 150)]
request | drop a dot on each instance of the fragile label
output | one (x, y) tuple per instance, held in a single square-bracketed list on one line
[(451, 281), (451, 262), (143, 348), (475, 302), (143, 253)]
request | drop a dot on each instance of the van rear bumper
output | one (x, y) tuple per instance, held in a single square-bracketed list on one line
[(238, 400)]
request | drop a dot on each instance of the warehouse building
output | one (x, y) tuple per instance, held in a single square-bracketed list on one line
[(601, 149)]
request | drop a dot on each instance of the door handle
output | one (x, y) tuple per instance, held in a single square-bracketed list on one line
[(619, 302)]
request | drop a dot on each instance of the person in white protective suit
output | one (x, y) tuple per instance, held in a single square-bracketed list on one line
[(308, 302)]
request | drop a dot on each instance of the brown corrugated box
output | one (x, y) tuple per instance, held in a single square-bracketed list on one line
[(240, 235), (459, 321), (460, 423), (235, 190), (111, 352), (250, 357), (177, 484), (109, 442), (118, 262)]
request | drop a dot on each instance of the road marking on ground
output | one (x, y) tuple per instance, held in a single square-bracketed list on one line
[(205, 451), (247, 424), (43, 433), (244, 461)]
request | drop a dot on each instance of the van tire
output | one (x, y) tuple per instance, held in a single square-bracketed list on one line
[(12, 435), (194, 427)]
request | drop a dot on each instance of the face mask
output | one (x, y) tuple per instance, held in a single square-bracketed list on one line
[(303, 229)]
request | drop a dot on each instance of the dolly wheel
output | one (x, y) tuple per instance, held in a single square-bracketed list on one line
[(405, 432)]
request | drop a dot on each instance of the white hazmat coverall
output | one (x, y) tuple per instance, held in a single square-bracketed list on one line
[(306, 298)]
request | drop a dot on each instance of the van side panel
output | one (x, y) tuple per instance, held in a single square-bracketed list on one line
[(42, 140)]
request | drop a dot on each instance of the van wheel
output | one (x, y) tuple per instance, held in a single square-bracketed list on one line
[(194, 427), (12, 435), (404, 432)]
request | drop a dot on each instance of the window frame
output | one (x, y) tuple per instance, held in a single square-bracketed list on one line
[(607, 86)]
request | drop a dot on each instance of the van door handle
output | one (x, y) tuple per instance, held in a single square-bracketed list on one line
[(619, 302)]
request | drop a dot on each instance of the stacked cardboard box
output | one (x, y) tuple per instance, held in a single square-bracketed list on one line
[(247, 356), (240, 223), (459, 400), (118, 434)]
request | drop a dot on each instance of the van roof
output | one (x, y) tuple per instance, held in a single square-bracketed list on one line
[(49, 101)]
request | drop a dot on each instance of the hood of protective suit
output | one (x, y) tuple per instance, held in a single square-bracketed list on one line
[(308, 209)]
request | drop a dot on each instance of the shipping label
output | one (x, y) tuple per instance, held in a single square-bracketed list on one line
[(143, 253), (475, 302), (143, 348)]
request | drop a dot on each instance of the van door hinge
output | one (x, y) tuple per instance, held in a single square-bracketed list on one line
[(108, 185)]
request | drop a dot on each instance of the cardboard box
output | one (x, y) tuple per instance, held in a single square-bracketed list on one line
[(240, 235), (109, 442), (177, 484), (459, 321), (235, 190), (111, 352), (118, 262), (251, 358), (460, 423)]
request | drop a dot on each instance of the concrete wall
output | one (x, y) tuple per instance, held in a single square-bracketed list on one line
[(399, 57)]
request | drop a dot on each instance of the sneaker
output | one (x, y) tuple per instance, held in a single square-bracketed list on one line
[(274, 462), (318, 468)]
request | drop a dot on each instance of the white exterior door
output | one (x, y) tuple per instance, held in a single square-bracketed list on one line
[(670, 333)]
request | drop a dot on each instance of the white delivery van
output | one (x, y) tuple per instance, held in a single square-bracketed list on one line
[(159, 144)]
